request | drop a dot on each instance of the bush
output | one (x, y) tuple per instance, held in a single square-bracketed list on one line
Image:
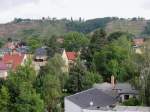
[(132, 102)]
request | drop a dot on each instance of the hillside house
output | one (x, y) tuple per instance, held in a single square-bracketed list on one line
[(14, 60), (40, 55), (11, 61), (69, 59), (40, 58), (138, 44)]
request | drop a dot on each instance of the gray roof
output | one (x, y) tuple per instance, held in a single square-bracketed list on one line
[(122, 88), (125, 88), (98, 97), (40, 52)]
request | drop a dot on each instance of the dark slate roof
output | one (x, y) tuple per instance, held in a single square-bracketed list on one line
[(23, 50), (7, 50), (40, 52), (98, 97), (125, 88)]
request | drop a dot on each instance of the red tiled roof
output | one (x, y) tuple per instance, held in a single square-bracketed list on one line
[(71, 55), (14, 59), (138, 42)]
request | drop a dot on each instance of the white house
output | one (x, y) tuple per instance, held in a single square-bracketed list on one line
[(96, 100)]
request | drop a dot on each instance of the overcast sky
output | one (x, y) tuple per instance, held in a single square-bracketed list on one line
[(87, 9)]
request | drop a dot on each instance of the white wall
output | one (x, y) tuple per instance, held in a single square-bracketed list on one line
[(71, 107)]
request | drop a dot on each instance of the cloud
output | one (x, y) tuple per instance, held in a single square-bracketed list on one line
[(9, 4)]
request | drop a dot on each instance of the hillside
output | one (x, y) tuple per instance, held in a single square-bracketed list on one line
[(133, 27), (22, 28)]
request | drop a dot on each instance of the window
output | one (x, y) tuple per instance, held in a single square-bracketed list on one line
[(126, 97)]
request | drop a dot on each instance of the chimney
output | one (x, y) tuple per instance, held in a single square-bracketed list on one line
[(113, 81)]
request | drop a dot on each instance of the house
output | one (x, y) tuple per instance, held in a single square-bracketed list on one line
[(123, 90), (138, 44), (40, 58), (3, 70), (40, 55), (69, 59), (5, 51), (97, 100), (13, 60), (91, 99)]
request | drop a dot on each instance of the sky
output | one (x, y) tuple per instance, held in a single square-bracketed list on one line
[(87, 9)]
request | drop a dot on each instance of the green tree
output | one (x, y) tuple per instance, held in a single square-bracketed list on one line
[(115, 59), (34, 43), (4, 99), (23, 97), (80, 79), (51, 92), (97, 42), (147, 29), (53, 45), (118, 34), (74, 41), (50, 83)]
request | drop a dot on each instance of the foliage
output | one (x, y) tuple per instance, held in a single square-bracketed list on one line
[(89, 25), (147, 29), (34, 43), (114, 59), (50, 82), (53, 45), (4, 99), (97, 42), (74, 41), (118, 34), (80, 79), (132, 102), (23, 97)]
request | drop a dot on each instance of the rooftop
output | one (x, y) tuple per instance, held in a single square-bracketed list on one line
[(40, 52), (95, 96), (14, 59), (71, 55)]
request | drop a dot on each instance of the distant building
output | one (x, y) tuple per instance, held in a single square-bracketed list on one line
[(40, 55), (69, 59), (10, 61), (40, 58), (14, 60), (138, 43)]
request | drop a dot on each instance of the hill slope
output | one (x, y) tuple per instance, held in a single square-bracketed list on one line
[(22, 28), (134, 27)]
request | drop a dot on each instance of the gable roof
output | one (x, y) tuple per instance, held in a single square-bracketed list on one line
[(14, 59), (40, 52), (121, 87), (71, 55), (96, 96), (125, 88), (138, 41)]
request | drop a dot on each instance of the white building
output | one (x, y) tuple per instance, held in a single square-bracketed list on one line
[(95, 100)]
